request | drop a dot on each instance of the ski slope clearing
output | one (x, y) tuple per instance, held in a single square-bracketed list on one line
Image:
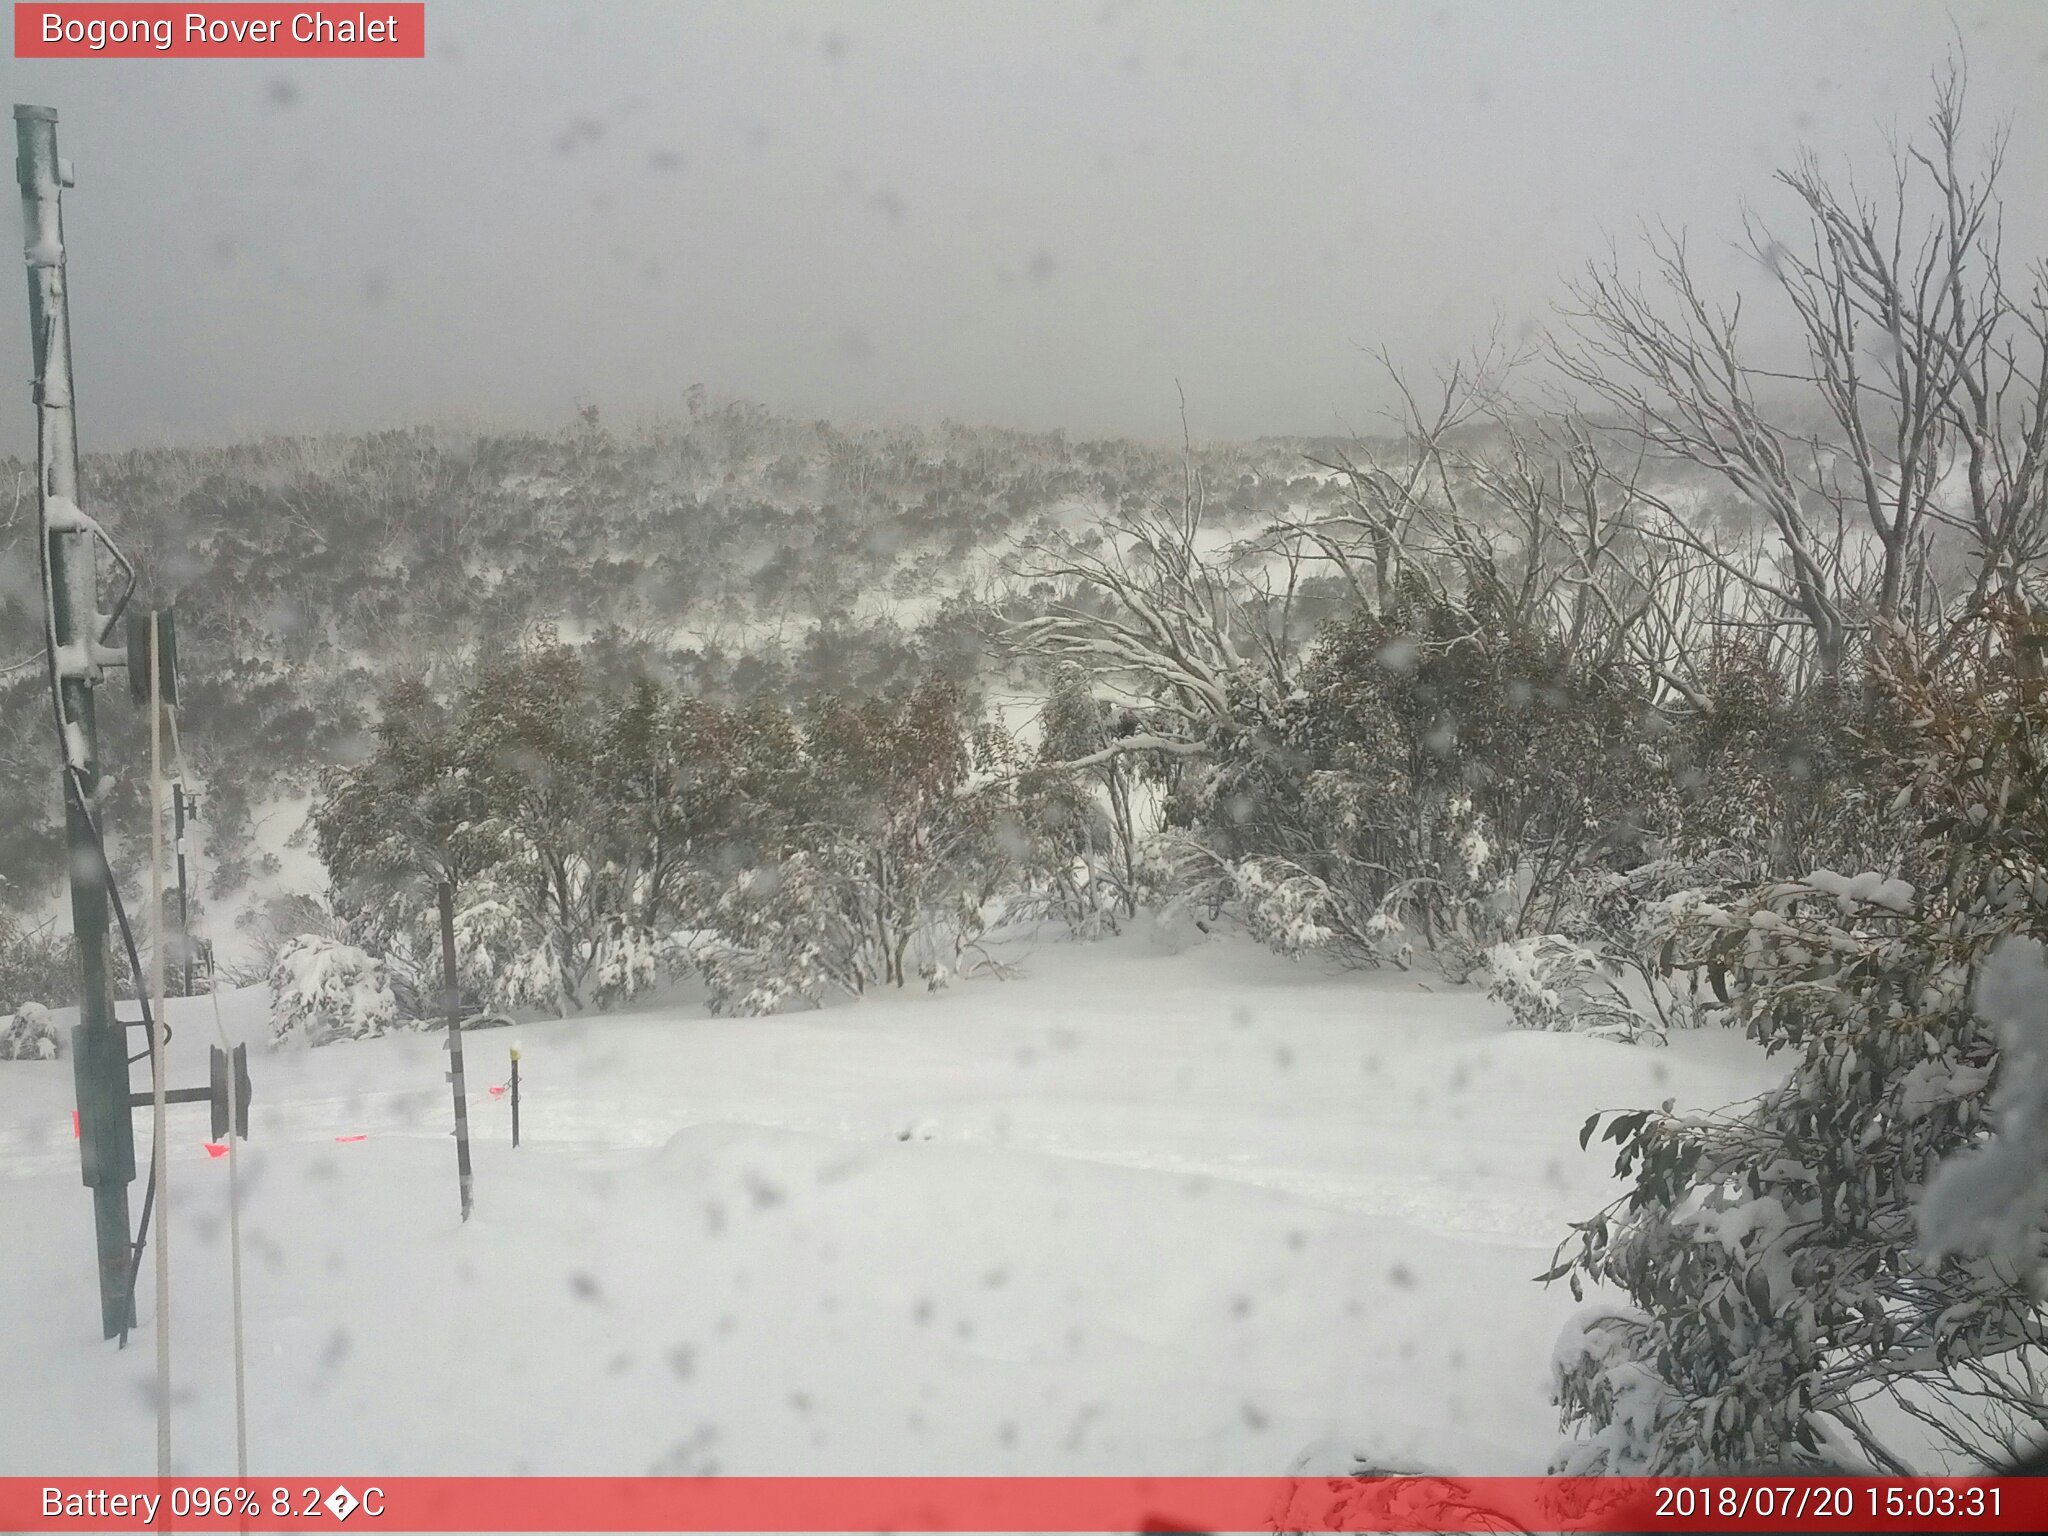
[(1132, 1212)]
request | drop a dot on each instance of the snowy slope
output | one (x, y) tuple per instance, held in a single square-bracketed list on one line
[(1133, 1212)]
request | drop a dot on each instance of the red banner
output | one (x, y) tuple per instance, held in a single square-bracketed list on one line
[(1060, 1504), (100, 31)]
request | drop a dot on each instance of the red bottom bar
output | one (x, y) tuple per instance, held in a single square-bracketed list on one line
[(1005, 1504)]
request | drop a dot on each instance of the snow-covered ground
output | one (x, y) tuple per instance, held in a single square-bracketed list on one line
[(1132, 1212)]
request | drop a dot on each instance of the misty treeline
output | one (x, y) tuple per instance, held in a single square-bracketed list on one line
[(1650, 679), (595, 841), (733, 551)]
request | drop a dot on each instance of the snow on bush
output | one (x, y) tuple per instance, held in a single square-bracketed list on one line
[(1458, 899), (1767, 1249), (322, 991), (503, 959), (1992, 1200), (787, 935), (1638, 919), (1282, 904), (29, 1035), (38, 961), (575, 826), (1552, 982), (1596, 1359), (630, 959)]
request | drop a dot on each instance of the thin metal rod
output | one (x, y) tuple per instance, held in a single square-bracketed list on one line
[(235, 1239), (160, 1144), (220, 1030)]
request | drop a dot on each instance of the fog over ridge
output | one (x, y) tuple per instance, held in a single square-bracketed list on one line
[(1033, 215)]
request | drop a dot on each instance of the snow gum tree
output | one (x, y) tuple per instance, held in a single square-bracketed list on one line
[(884, 864), (602, 837), (1086, 820), (395, 828), (1441, 770), (1905, 480)]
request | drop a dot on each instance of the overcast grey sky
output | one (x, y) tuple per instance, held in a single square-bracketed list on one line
[(1035, 214)]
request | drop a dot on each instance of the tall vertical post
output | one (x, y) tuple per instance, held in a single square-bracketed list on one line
[(453, 989), (99, 1047)]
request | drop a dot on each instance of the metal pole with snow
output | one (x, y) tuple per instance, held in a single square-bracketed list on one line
[(76, 634)]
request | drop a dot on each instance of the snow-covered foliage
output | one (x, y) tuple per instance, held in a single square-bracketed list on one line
[(1074, 830), (322, 991), (1282, 905), (503, 958), (578, 828), (1635, 919), (38, 962), (630, 960), (1767, 1251), (1633, 1407), (883, 853), (1279, 903), (547, 811), (28, 1035), (1441, 775), (788, 934), (1549, 981)]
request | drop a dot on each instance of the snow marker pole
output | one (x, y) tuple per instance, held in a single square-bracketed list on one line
[(454, 991), (515, 1095)]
